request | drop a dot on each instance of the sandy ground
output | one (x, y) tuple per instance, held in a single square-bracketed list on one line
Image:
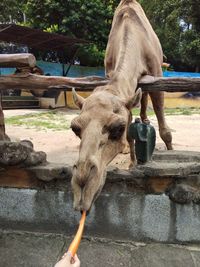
[(62, 146)]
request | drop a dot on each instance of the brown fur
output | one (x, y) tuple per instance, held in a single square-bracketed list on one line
[(133, 50)]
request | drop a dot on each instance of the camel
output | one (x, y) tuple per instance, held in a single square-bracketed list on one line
[(34, 70), (133, 51)]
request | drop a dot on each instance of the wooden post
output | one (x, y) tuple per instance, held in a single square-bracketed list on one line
[(3, 135), (17, 60)]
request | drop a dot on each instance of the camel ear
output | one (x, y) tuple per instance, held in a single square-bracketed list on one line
[(78, 100), (133, 101)]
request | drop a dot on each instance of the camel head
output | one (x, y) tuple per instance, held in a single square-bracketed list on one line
[(102, 128)]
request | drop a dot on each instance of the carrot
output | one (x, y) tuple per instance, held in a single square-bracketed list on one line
[(77, 239)]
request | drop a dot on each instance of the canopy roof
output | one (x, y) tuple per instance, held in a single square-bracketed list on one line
[(36, 38)]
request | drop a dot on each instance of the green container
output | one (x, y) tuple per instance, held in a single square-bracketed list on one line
[(144, 136)]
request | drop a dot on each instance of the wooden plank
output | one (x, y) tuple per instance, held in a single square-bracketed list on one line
[(148, 83), (17, 60)]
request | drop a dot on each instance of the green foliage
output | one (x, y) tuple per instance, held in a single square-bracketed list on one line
[(84, 19), (89, 20), (11, 11), (91, 55), (176, 22), (52, 28), (190, 48)]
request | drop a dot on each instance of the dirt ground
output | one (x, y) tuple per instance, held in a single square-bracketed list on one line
[(62, 146)]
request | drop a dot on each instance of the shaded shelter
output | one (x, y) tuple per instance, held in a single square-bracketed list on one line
[(43, 41), (40, 40), (37, 38)]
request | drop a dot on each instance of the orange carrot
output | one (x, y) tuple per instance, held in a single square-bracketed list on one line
[(77, 239)]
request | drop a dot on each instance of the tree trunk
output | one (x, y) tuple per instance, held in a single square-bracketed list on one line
[(17, 60)]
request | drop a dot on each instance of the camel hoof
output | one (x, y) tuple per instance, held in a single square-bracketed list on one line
[(126, 150), (132, 164)]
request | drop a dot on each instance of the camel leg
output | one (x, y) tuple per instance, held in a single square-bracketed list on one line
[(133, 160), (131, 145), (157, 99), (144, 104)]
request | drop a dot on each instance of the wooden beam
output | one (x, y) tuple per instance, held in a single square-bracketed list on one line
[(17, 60), (148, 83), (155, 84), (32, 81)]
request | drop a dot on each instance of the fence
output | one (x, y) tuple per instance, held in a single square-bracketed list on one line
[(38, 82)]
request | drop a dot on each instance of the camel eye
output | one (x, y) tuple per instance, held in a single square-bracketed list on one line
[(116, 132), (76, 130)]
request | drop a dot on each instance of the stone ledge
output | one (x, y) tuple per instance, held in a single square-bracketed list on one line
[(165, 164), (179, 180), (169, 169), (176, 164), (176, 155)]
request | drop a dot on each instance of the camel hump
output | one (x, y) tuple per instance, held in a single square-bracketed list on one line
[(128, 1)]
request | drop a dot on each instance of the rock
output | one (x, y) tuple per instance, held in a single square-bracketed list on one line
[(27, 143), (196, 199), (35, 158), (20, 153), (183, 194), (52, 171), (12, 153)]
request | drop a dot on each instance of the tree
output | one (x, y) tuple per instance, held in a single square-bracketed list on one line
[(190, 36), (90, 20), (177, 23), (12, 11)]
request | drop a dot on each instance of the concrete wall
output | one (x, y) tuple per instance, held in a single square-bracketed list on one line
[(119, 215), (158, 201)]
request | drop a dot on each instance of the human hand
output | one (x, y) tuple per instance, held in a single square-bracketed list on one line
[(68, 261)]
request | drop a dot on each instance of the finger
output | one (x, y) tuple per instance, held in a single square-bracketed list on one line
[(64, 255), (76, 259), (67, 255), (72, 261)]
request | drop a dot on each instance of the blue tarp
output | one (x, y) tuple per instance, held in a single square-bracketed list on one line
[(55, 69), (181, 74)]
